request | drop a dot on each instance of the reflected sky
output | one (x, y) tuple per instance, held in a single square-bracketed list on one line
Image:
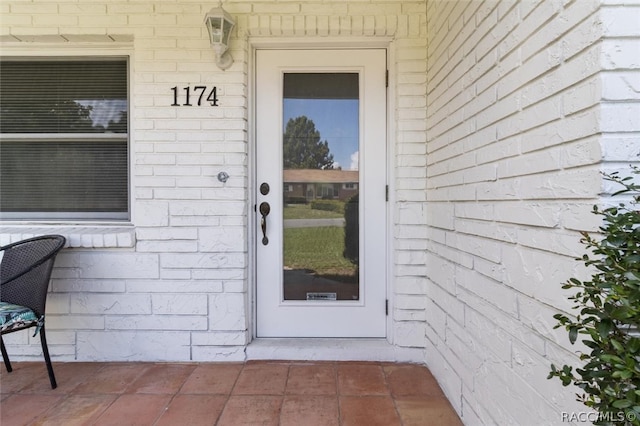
[(337, 122)]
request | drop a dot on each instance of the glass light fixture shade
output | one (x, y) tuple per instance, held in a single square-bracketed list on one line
[(219, 25)]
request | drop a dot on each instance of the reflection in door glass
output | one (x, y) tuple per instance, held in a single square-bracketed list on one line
[(321, 184)]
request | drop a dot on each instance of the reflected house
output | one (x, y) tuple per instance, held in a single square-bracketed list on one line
[(305, 185)]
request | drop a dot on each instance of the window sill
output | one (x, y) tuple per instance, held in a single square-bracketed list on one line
[(78, 236)]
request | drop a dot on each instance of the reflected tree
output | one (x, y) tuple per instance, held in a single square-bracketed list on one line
[(303, 147), (55, 116)]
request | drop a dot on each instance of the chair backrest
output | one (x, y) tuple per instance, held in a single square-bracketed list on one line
[(25, 271)]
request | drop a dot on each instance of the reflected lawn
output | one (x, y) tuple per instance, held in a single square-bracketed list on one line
[(319, 250)]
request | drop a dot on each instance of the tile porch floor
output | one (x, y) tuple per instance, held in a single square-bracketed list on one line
[(251, 393)]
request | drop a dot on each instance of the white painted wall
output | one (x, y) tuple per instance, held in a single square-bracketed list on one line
[(526, 102)]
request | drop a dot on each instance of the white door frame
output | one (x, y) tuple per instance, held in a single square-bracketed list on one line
[(252, 240)]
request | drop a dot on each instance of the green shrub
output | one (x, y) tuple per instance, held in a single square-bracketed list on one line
[(609, 314), (295, 200), (352, 230), (328, 205)]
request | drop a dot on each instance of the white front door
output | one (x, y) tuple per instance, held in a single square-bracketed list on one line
[(321, 193)]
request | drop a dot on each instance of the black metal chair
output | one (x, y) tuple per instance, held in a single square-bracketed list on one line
[(25, 271)]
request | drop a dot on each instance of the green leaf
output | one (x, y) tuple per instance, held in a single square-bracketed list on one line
[(633, 345), (604, 327), (573, 334), (622, 374), (608, 358), (617, 345), (622, 403), (590, 344)]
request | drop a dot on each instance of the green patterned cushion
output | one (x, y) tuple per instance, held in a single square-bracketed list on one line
[(13, 316)]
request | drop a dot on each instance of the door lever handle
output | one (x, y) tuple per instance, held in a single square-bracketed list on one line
[(264, 211)]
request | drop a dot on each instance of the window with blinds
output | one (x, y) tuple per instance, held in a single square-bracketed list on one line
[(64, 139)]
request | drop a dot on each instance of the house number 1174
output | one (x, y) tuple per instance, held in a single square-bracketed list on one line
[(195, 94)]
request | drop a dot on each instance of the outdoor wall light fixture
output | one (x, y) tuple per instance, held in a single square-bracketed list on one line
[(220, 24)]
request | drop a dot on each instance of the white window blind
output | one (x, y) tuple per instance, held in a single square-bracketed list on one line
[(64, 139)]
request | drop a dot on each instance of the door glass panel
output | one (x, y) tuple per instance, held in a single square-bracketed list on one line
[(321, 184)]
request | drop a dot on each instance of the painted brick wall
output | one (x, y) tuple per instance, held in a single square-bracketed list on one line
[(526, 103), (175, 284)]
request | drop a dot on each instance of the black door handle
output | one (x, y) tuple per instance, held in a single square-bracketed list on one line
[(264, 211)]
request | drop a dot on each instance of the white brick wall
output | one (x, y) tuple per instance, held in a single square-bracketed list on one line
[(526, 102), (180, 272)]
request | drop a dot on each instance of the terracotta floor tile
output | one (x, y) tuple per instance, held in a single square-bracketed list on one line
[(361, 379), (68, 376), (24, 374), (193, 410), (307, 410), (113, 378), (427, 411), (76, 410), (368, 411), (162, 379), (133, 410), (312, 379), (212, 379), (262, 379), (23, 409), (251, 410), (405, 380), (224, 394)]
